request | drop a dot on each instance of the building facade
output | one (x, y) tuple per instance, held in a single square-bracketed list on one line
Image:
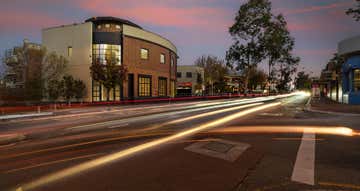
[(150, 59), (350, 75), (190, 80), (22, 64)]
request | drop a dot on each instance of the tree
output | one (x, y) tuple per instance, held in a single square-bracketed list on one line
[(302, 81), (355, 12), (257, 78), (248, 32), (109, 75), (68, 88), (54, 67), (214, 71), (55, 89), (277, 41), (53, 70), (79, 87), (288, 67)]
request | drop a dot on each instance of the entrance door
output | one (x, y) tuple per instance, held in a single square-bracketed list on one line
[(131, 86)]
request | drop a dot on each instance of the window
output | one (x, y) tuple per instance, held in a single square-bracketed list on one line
[(172, 88), (178, 74), (188, 74), (357, 80), (104, 53), (117, 26), (69, 51), (96, 91), (144, 86), (117, 93), (162, 86), (107, 25), (99, 27), (144, 53), (162, 58)]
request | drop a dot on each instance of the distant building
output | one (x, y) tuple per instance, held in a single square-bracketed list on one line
[(190, 80), (21, 65), (234, 83), (350, 50), (150, 59)]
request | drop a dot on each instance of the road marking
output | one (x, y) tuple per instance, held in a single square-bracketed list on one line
[(52, 162), (305, 161), (136, 149)]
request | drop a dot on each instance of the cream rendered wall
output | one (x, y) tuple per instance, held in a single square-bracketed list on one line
[(149, 36), (79, 37)]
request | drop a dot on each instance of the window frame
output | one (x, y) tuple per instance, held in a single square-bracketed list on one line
[(162, 55), (141, 94), (356, 80), (162, 91), (147, 50), (188, 76), (69, 51)]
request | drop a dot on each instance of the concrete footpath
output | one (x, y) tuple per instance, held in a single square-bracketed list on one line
[(325, 105)]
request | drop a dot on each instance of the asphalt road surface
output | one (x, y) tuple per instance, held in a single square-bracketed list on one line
[(266, 143)]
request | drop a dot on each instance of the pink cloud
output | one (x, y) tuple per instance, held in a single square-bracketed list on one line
[(161, 14), (316, 8), (26, 21)]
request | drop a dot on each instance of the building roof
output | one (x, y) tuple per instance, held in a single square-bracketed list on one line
[(111, 19)]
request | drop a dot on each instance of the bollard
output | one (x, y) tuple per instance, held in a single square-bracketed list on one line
[(38, 109)]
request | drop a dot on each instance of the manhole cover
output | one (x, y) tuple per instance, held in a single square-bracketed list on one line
[(223, 149), (218, 147)]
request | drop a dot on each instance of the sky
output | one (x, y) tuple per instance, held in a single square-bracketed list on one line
[(196, 27)]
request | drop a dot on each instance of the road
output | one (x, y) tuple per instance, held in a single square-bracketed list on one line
[(265, 143)]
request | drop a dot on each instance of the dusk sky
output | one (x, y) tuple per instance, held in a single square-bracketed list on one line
[(196, 27)]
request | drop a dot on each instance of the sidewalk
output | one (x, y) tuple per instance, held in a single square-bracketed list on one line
[(329, 106)]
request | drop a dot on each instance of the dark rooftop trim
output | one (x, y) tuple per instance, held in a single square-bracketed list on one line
[(111, 19)]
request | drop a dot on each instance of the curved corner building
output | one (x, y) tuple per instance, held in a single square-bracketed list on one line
[(150, 59), (350, 50)]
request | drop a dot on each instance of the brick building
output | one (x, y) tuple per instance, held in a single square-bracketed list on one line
[(150, 59)]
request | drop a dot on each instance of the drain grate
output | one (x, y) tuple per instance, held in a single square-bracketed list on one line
[(223, 149), (218, 146)]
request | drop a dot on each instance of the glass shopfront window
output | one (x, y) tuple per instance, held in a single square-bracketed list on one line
[(96, 91), (144, 86), (105, 53), (162, 86), (356, 81)]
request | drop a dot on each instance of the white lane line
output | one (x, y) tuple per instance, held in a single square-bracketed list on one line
[(305, 161)]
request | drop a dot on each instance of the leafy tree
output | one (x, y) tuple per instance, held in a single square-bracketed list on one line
[(277, 41), (53, 70), (109, 75), (287, 68), (55, 89), (79, 87), (257, 78), (68, 88), (248, 32), (337, 61), (302, 81), (355, 12), (54, 67), (214, 71)]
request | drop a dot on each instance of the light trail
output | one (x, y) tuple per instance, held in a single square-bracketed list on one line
[(199, 116), (133, 150), (335, 130)]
